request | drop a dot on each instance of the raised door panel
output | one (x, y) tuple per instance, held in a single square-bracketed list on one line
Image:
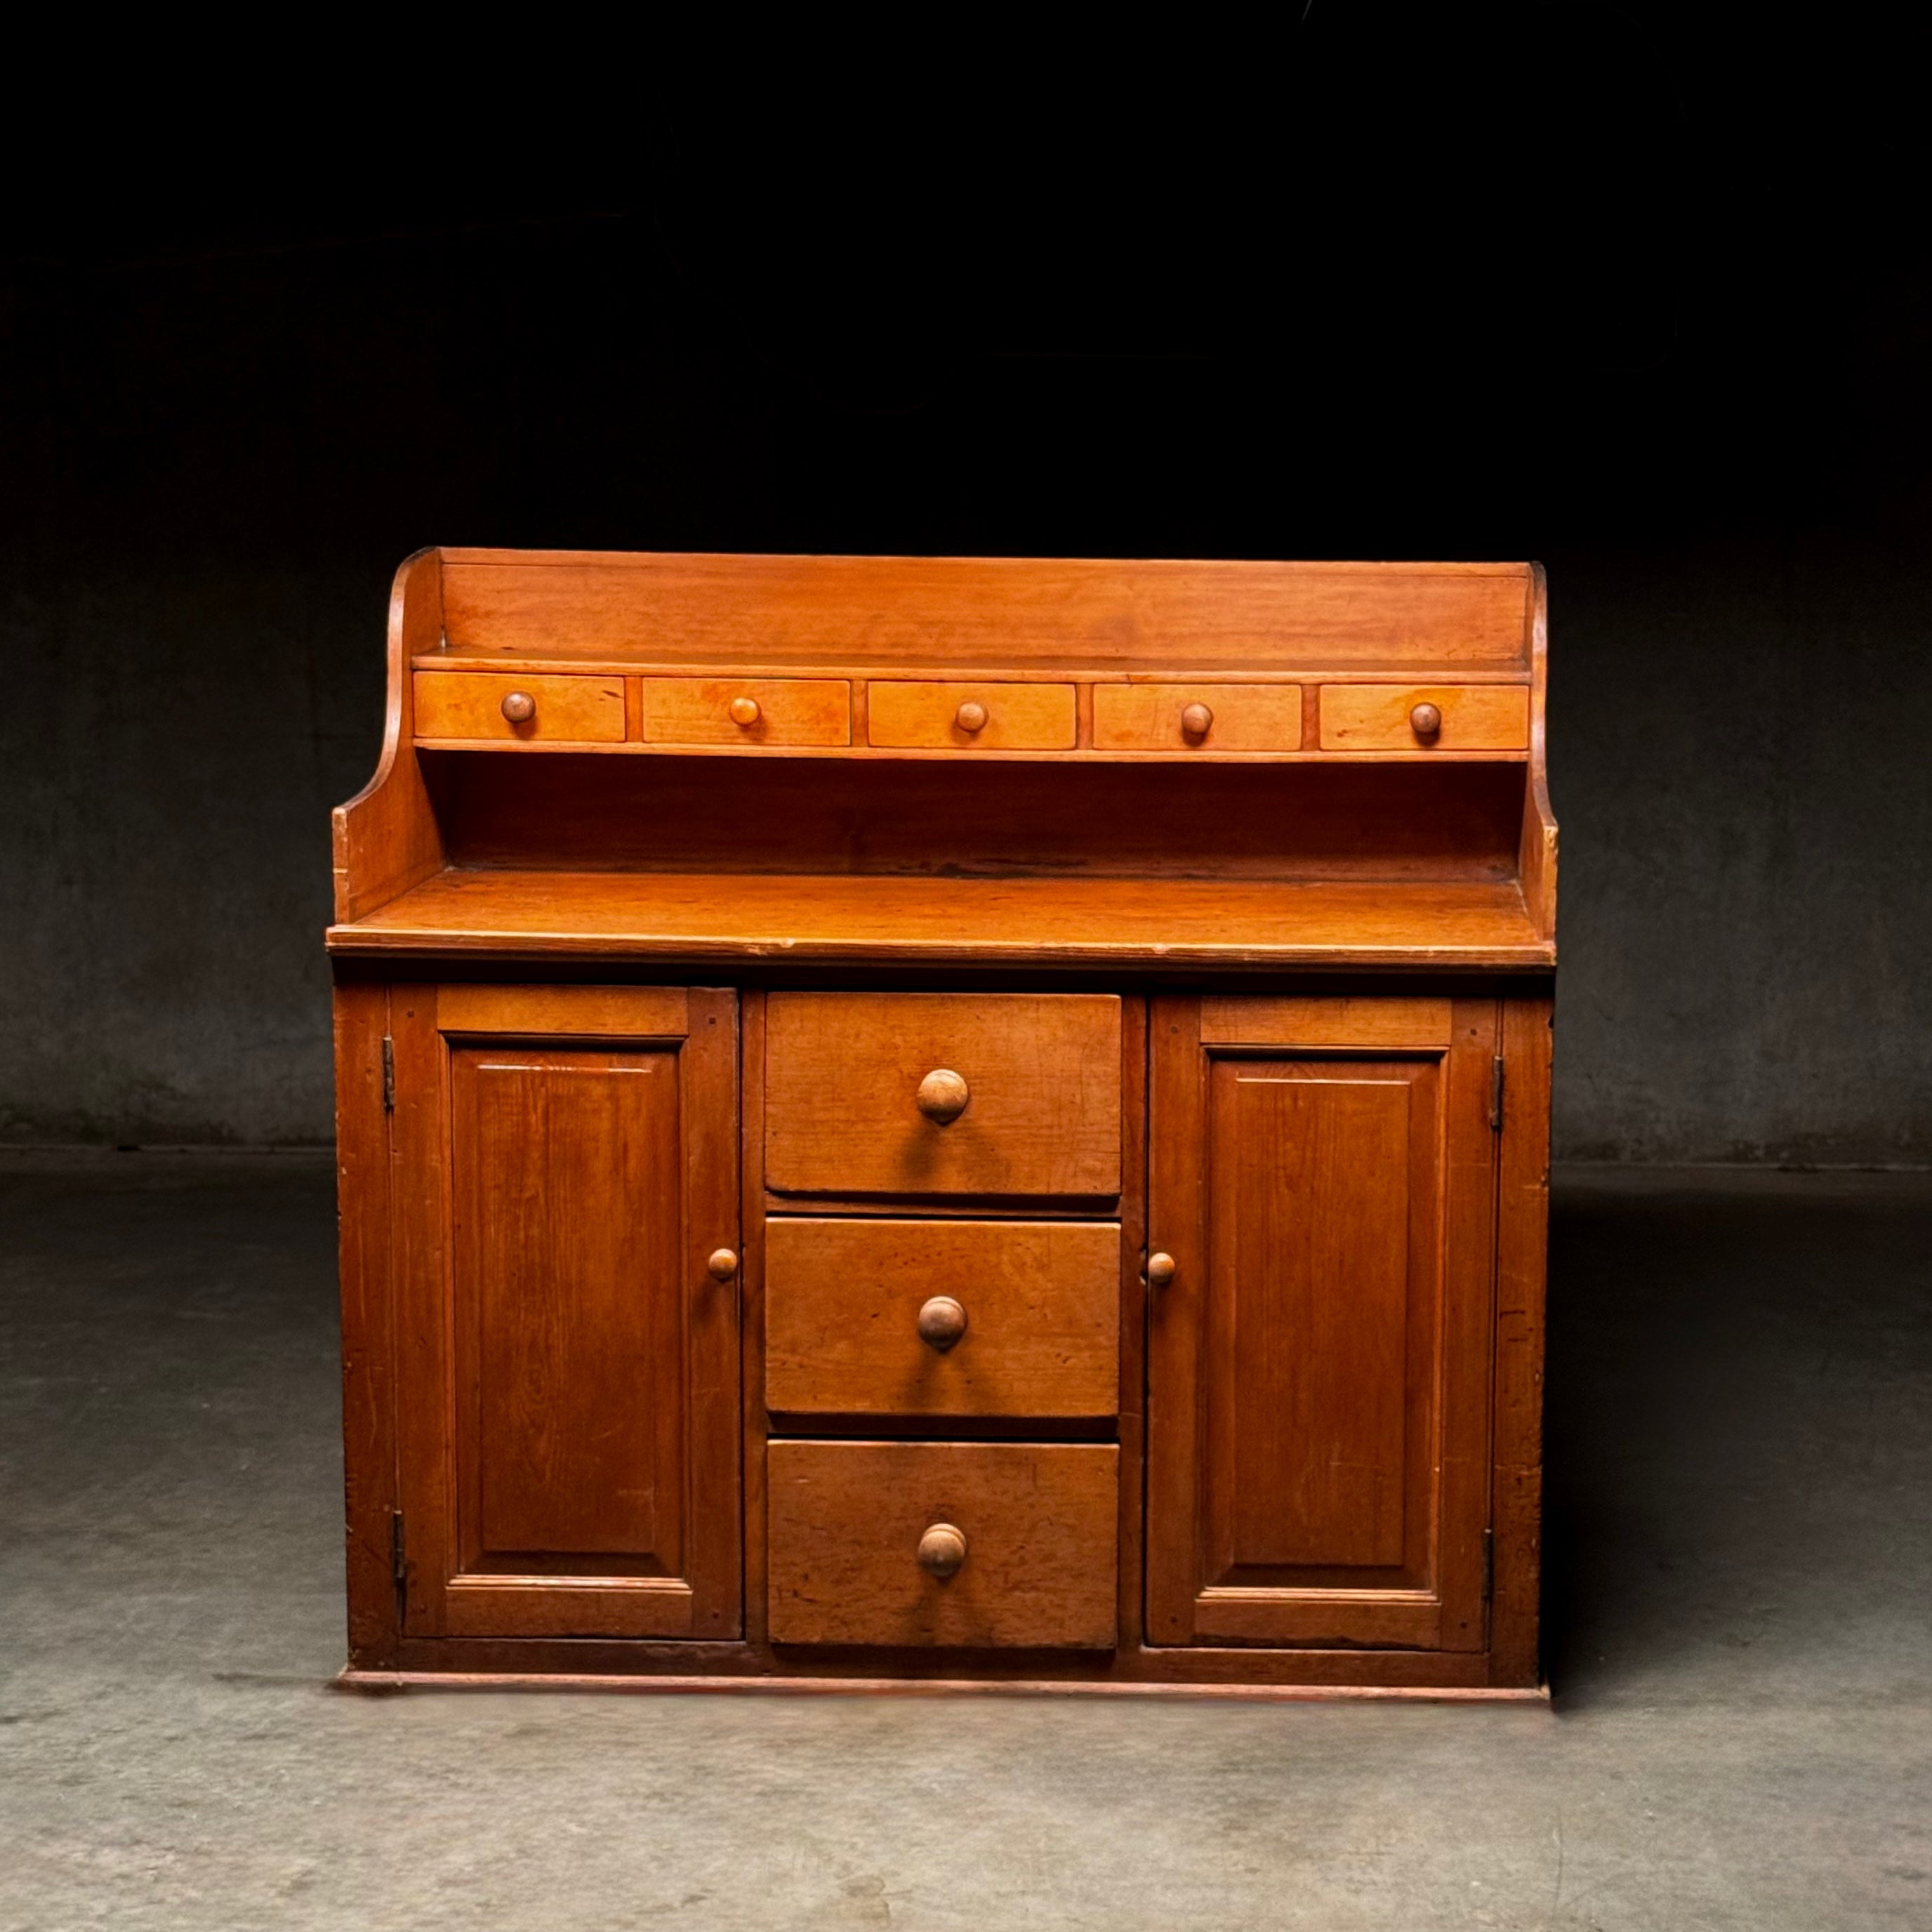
[(1318, 1362), (569, 1463)]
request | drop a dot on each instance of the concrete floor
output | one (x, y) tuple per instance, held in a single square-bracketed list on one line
[(1740, 1534)]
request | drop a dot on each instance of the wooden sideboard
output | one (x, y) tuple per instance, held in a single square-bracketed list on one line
[(973, 1120)]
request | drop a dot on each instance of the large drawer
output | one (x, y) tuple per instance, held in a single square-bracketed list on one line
[(1003, 1094), (949, 1318), (862, 1535)]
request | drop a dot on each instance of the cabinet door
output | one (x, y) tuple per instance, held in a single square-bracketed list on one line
[(1323, 1176), (567, 1426)]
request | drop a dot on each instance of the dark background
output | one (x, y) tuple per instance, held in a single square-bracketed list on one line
[(1629, 290)]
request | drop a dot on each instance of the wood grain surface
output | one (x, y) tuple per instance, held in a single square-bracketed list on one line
[(842, 1073), (468, 705), (1041, 1300), (1242, 717), (791, 711), (846, 1519), (1375, 717)]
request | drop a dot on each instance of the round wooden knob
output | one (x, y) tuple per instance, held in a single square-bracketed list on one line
[(943, 1095), (942, 1550), (520, 707), (744, 711), (1160, 1271), (1425, 721), (971, 716), (723, 1264), (941, 1323), (1195, 720)]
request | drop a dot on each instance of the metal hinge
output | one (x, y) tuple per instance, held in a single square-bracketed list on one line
[(388, 1075), (1496, 1095), (1489, 1564), (399, 1562)]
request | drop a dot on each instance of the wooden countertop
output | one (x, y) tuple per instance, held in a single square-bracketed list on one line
[(878, 919)]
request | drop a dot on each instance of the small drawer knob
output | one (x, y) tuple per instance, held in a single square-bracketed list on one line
[(942, 1550), (744, 711), (942, 1321), (942, 1095), (1196, 720), (723, 1264), (520, 707), (971, 716), (1160, 1270), (1425, 721)]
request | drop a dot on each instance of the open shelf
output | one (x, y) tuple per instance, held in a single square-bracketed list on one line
[(874, 918)]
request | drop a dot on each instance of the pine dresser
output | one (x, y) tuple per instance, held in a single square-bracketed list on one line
[(948, 1121)]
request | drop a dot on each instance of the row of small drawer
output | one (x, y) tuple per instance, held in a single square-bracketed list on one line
[(471, 707)]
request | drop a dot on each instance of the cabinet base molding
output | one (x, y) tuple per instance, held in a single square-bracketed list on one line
[(386, 1683)]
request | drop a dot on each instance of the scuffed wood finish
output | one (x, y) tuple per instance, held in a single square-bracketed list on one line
[(368, 1397), (1041, 1300), (571, 1464), (464, 706), (1010, 717), (1319, 1409), (842, 1075), (729, 610), (1240, 717), (1038, 1521), (386, 838), (1377, 717), (1522, 1220), (788, 711), (1092, 922)]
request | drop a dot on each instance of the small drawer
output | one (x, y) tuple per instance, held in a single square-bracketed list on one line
[(1397, 718), (1197, 717), (474, 706), (746, 711), (971, 717), (1009, 1094), (972, 1545), (942, 1318)]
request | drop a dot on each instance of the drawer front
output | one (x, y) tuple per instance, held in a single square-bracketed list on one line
[(469, 705), (1197, 717), (971, 717), (1036, 1533), (1380, 717), (769, 711), (865, 1318), (863, 1093)]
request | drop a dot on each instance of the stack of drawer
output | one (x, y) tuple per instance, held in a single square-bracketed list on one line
[(942, 1284)]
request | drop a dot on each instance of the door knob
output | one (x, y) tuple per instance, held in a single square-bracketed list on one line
[(971, 716), (943, 1095), (942, 1550), (1160, 1271), (1425, 721), (1195, 719), (519, 707), (744, 711), (941, 1323), (723, 1264)]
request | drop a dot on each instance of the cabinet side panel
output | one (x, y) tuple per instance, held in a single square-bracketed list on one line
[(368, 1442), (1523, 1246)]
